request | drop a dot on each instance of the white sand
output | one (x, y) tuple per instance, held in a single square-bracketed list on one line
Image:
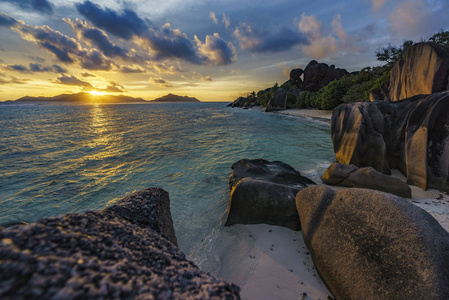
[(310, 113), (279, 266), (275, 263)]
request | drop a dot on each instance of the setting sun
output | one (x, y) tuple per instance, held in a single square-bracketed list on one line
[(96, 93)]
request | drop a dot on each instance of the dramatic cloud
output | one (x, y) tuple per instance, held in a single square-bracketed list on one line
[(38, 68), (85, 74), (18, 68), (160, 82), (124, 25), (65, 48), (6, 21), (213, 17), (412, 18), (344, 40), (162, 43), (169, 43), (132, 69), (319, 46), (96, 37), (260, 40), (112, 86), (226, 21), (9, 79), (217, 51), (168, 69), (36, 58), (41, 6), (72, 80)]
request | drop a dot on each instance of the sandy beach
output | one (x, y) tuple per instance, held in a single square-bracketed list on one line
[(310, 113), (277, 265)]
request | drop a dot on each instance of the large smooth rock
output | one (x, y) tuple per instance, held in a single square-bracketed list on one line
[(317, 75), (357, 131), (295, 76), (427, 143), (367, 178), (239, 102), (411, 135), (372, 245), (264, 192), (424, 69), (278, 101), (126, 251)]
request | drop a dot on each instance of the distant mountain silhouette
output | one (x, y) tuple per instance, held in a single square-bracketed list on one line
[(175, 98), (82, 97)]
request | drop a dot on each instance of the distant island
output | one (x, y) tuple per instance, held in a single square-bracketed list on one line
[(85, 97), (175, 98), (81, 97)]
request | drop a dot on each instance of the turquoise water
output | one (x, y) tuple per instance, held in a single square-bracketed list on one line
[(56, 159)]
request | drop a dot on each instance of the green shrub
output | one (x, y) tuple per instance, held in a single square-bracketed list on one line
[(357, 92), (286, 86), (291, 100), (378, 82), (306, 99), (332, 94), (264, 96)]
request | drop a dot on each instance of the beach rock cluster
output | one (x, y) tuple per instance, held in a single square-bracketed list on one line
[(367, 178), (410, 135), (424, 69), (264, 192), (318, 75), (372, 245), (126, 251), (243, 102), (280, 98)]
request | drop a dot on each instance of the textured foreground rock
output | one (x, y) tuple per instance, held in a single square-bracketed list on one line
[(126, 251), (424, 69), (410, 135), (264, 192), (367, 178), (372, 245)]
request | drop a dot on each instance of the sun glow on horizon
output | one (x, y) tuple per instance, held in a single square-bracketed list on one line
[(97, 93)]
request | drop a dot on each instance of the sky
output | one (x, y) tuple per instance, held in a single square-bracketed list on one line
[(211, 50)]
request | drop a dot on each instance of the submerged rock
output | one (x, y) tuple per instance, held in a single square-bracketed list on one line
[(372, 245), (410, 135), (264, 192), (125, 251), (368, 178)]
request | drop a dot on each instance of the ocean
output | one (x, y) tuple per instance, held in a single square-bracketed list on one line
[(57, 159)]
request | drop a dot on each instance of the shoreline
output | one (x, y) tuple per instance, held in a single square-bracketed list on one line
[(309, 113), (277, 265)]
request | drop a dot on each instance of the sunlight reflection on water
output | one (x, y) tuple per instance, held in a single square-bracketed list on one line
[(73, 158)]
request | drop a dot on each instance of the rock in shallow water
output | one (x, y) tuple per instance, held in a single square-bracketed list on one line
[(264, 192), (126, 251), (372, 245)]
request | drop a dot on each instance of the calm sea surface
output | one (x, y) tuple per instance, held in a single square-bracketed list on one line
[(56, 159)]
